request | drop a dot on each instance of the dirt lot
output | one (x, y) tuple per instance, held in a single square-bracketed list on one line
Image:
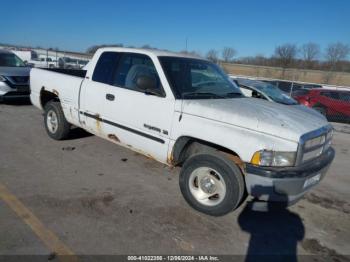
[(88, 196)]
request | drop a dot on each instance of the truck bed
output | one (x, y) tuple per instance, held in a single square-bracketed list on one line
[(64, 83), (73, 72)]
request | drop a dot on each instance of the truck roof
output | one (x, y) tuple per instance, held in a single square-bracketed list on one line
[(149, 52)]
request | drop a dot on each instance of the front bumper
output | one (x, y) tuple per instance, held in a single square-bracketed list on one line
[(13, 92), (287, 184)]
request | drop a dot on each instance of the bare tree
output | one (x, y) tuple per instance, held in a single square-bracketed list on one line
[(147, 46), (212, 55), (286, 54), (335, 53), (310, 53), (228, 53), (193, 53)]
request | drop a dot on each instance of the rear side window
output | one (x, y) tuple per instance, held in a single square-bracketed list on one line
[(301, 92), (330, 94), (296, 87), (105, 67), (130, 67), (345, 96), (284, 86)]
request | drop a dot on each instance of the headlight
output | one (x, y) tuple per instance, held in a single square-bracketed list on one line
[(2, 79), (329, 135), (273, 158), (315, 142)]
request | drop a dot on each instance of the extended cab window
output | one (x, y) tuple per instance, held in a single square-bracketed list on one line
[(105, 67), (133, 66)]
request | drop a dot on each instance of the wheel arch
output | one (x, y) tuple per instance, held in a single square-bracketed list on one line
[(186, 146), (47, 96)]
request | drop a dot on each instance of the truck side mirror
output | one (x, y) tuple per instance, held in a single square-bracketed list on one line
[(148, 85)]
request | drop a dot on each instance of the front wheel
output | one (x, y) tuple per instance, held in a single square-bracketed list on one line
[(55, 122), (211, 184)]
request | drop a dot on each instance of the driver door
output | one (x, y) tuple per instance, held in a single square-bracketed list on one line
[(129, 116)]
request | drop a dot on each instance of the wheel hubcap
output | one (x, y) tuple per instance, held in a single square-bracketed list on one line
[(207, 186), (52, 121)]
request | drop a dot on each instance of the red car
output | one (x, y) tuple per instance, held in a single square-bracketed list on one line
[(334, 104)]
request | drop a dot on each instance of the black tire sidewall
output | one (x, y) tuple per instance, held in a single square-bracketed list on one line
[(229, 172)]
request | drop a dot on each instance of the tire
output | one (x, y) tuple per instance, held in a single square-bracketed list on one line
[(55, 122), (218, 171), (321, 110)]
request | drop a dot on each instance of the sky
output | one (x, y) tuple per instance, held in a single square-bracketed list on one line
[(251, 27)]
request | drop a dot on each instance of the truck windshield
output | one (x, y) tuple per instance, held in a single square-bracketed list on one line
[(192, 78), (10, 60)]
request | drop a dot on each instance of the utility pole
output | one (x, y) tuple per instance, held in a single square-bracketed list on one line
[(56, 57), (186, 44)]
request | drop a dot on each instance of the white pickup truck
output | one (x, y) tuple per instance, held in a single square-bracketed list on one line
[(184, 111)]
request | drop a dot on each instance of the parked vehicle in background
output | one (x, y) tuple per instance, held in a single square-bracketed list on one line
[(290, 87), (14, 76), (26, 55), (334, 104), (71, 63), (185, 111), (263, 90), (43, 62)]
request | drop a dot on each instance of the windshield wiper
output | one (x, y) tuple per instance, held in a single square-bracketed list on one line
[(195, 94)]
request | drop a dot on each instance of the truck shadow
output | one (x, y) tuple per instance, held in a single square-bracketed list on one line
[(17, 102), (77, 133), (274, 230)]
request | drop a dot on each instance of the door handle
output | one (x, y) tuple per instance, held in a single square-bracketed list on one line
[(110, 97)]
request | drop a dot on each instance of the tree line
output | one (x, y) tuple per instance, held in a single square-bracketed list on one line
[(307, 56)]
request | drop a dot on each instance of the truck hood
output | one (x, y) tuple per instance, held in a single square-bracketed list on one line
[(284, 121), (14, 71)]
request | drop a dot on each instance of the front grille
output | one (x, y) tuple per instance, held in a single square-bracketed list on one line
[(17, 81), (313, 144)]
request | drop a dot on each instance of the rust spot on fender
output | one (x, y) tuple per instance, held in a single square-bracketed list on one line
[(55, 92), (236, 160), (149, 156), (170, 159), (98, 123), (113, 137)]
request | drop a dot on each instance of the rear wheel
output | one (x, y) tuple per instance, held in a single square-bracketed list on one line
[(55, 122), (211, 184)]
